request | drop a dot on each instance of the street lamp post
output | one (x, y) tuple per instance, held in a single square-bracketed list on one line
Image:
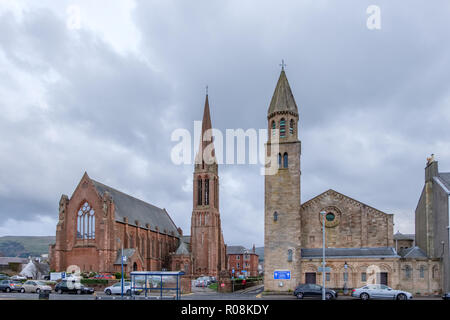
[(345, 277), (323, 213)]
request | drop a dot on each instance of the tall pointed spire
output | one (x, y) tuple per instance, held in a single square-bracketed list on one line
[(206, 138), (282, 99)]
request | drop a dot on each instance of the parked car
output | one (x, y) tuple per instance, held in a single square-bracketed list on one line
[(72, 287), (35, 286), (446, 296), (313, 291), (212, 279), (4, 276), (117, 289), (380, 291), (202, 282), (18, 277), (10, 285), (103, 276)]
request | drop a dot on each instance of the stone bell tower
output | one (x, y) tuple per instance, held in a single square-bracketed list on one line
[(282, 224), (208, 249)]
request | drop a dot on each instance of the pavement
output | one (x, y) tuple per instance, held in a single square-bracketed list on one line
[(252, 293)]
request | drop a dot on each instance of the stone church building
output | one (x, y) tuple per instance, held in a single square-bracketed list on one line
[(360, 244), (204, 251), (97, 221)]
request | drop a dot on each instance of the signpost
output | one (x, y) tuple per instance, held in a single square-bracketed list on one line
[(282, 274)]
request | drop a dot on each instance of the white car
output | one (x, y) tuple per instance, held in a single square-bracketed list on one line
[(202, 282), (35, 286), (380, 291), (117, 289)]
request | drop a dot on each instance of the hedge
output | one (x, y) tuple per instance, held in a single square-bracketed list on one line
[(94, 281)]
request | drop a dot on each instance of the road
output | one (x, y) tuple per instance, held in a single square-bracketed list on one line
[(198, 294)]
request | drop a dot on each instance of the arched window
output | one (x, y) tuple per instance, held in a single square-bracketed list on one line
[(275, 216), (289, 255), (279, 160), (407, 272), (206, 191), (282, 128), (135, 267), (86, 222), (291, 126), (273, 127), (422, 272), (199, 192), (435, 271), (285, 160)]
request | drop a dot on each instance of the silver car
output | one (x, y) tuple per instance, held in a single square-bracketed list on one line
[(380, 291), (117, 289), (35, 286)]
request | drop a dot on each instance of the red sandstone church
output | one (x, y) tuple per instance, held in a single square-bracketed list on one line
[(98, 220)]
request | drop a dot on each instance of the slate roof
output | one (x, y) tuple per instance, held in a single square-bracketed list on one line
[(282, 99), (182, 248), (377, 252), (413, 252), (4, 261), (235, 250), (135, 209), (238, 250), (406, 236), (444, 177), (186, 239)]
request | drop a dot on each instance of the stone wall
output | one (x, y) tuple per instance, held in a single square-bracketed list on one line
[(355, 224)]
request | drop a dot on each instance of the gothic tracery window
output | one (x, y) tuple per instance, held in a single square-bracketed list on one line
[(199, 192), (86, 222), (206, 191)]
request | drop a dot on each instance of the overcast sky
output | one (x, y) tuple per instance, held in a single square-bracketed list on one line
[(104, 92)]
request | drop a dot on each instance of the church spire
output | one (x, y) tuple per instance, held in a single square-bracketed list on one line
[(282, 99), (206, 138)]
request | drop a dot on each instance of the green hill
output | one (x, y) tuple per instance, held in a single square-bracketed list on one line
[(260, 253), (18, 246)]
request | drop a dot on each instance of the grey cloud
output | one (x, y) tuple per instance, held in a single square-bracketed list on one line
[(372, 103)]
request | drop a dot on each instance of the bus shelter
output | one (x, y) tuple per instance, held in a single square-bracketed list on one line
[(152, 283)]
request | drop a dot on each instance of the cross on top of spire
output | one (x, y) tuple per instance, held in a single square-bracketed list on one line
[(282, 65)]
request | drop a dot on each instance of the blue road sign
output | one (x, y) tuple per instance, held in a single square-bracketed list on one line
[(232, 270), (282, 275)]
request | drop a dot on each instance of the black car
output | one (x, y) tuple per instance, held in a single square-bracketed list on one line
[(10, 285), (313, 291), (446, 296), (72, 287)]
